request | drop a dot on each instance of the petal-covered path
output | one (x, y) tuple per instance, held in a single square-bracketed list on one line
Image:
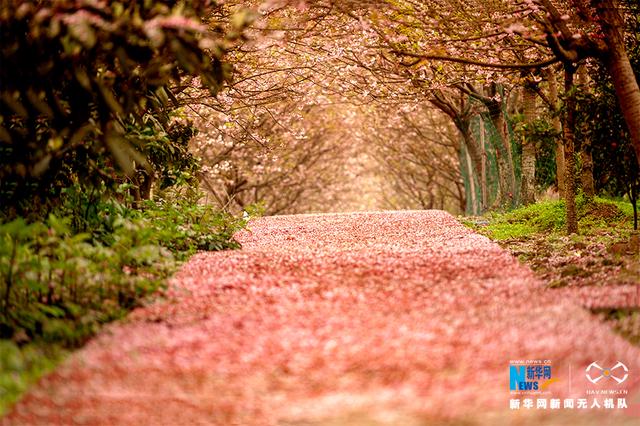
[(400, 318)]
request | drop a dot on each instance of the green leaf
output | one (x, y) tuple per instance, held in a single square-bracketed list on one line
[(60, 226), (13, 228), (125, 154), (52, 311), (79, 238)]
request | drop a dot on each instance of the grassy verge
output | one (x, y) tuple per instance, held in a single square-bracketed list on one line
[(605, 252), (88, 264)]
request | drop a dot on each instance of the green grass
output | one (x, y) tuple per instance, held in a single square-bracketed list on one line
[(506, 231), (599, 214)]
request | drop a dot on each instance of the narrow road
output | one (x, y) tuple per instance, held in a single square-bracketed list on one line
[(402, 318)]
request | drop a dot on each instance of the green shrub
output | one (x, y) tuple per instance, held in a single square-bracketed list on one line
[(86, 86), (185, 227), (59, 286), (20, 366), (62, 278)]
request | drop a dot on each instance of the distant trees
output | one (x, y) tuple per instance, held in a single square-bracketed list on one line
[(282, 134), (417, 151), (288, 157)]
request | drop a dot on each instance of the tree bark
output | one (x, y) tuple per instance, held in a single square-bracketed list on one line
[(527, 189), (483, 165), (506, 172), (472, 185), (502, 194), (569, 151), (586, 158), (461, 196), (557, 126), (475, 153), (617, 62), (493, 99), (633, 197), (586, 171)]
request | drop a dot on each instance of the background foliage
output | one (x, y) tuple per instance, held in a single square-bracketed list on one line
[(88, 90)]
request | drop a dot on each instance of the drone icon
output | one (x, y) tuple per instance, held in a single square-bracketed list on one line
[(607, 372)]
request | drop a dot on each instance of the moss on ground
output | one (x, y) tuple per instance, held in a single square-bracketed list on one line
[(599, 214)]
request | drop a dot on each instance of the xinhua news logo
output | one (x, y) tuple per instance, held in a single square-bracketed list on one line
[(529, 376)]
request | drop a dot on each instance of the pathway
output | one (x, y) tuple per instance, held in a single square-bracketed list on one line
[(400, 318)]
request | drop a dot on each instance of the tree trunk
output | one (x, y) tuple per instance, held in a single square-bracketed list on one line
[(506, 172), (586, 157), (472, 197), (461, 118), (475, 153), (557, 126), (483, 166), (146, 181), (633, 197), (586, 172), (528, 185), (499, 200), (617, 62), (569, 151), (461, 197)]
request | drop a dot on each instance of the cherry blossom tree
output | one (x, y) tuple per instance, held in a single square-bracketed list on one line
[(467, 60), (507, 35)]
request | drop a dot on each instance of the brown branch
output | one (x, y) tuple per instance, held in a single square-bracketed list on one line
[(446, 58)]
